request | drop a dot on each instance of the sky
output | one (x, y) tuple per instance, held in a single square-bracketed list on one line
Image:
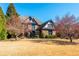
[(44, 11)]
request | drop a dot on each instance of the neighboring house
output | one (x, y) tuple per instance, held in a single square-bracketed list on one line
[(30, 25), (47, 28)]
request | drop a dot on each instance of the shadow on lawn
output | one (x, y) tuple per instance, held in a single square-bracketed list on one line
[(58, 42), (64, 42)]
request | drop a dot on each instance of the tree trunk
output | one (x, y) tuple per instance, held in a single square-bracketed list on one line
[(16, 37), (70, 39)]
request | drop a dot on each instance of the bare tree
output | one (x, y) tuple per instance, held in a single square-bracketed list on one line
[(66, 26), (14, 26)]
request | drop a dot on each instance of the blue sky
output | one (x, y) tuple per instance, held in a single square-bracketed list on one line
[(44, 11)]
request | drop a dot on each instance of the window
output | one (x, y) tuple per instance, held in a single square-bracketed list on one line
[(33, 26), (50, 32), (49, 26)]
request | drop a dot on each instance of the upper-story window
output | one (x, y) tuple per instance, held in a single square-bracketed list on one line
[(33, 26), (32, 23), (49, 25)]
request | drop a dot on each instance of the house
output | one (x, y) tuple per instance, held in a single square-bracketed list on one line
[(30, 25), (47, 28)]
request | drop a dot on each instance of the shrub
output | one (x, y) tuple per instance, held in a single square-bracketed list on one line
[(41, 35), (50, 36)]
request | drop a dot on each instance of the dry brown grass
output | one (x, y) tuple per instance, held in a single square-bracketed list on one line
[(56, 47)]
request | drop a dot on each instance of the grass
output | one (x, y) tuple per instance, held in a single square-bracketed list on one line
[(30, 47)]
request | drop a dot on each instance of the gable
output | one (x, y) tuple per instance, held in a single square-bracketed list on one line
[(32, 21), (48, 25)]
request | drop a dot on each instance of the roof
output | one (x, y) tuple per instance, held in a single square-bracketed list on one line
[(48, 25), (27, 18)]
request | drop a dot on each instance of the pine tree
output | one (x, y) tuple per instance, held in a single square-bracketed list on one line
[(3, 32), (11, 11)]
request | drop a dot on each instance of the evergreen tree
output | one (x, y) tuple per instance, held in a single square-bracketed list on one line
[(11, 11), (3, 32)]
